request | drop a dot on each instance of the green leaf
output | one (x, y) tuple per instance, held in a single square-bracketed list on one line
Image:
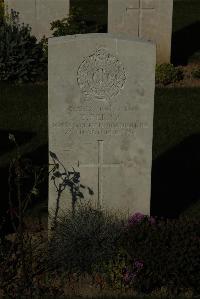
[(57, 174), (53, 156), (91, 192)]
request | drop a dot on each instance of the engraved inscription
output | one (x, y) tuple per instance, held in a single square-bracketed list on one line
[(107, 120), (101, 76)]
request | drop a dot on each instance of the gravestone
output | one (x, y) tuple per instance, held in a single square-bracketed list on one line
[(39, 13), (145, 19), (101, 101)]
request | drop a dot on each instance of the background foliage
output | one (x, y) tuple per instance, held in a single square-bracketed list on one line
[(21, 58), (166, 73), (78, 22)]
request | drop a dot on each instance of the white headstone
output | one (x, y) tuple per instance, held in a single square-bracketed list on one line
[(146, 19), (101, 102), (39, 13)]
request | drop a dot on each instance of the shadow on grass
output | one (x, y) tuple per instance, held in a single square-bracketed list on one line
[(176, 179), (185, 43), (38, 158)]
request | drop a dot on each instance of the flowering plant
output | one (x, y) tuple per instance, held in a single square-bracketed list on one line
[(139, 217), (121, 271), (130, 275)]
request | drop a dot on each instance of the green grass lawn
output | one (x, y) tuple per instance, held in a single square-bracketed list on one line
[(176, 117), (186, 28), (24, 108), (176, 148), (185, 13)]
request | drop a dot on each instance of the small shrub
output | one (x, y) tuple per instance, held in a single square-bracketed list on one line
[(83, 241), (76, 23), (196, 73), (166, 73), (21, 58), (44, 44), (120, 272)]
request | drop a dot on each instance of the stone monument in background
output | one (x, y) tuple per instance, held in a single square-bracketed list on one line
[(145, 19), (101, 103), (39, 13)]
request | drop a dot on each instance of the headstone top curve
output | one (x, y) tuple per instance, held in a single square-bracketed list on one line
[(67, 38)]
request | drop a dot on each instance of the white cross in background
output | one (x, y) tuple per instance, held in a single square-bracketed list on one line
[(140, 10), (100, 165)]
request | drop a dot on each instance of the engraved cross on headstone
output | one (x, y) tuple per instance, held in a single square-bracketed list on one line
[(100, 165), (140, 10)]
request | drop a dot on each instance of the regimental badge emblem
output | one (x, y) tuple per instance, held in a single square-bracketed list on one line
[(101, 75)]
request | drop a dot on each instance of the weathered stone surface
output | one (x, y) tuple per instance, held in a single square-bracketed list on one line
[(101, 101), (39, 13), (146, 19)]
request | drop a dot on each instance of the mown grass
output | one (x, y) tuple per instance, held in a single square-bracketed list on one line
[(186, 28), (176, 142), (24, 109), (185, 13), (176, 117)]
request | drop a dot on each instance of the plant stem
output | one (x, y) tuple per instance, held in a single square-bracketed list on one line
[(57, 205)]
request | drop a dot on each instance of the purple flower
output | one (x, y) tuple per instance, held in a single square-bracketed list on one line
[(128, 276), (139, 264), (152, 220), (136, 218)]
